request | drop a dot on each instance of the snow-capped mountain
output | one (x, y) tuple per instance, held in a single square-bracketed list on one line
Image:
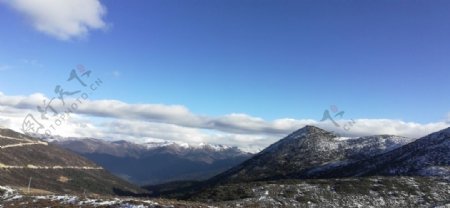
[(310, 149), (313, 168), (153, 162), (90, 145), (427, 156)]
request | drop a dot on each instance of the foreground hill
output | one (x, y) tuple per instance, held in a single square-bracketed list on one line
[(11, 198), (52, 169), (352, 192), (155, 163), (349, 192)]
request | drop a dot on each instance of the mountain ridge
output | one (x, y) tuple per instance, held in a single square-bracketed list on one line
[(152, 164)]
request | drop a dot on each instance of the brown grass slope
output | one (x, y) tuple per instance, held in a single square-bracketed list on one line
[(71, 178)]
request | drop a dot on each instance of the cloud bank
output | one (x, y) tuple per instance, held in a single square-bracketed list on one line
[(63, 19), (113, 119)]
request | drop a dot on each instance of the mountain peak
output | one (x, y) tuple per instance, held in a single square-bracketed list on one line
[(313, 129), (306, 131)]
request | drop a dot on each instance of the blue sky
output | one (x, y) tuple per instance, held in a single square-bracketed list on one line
[(268, 59)]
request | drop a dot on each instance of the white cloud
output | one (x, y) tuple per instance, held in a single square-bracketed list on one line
[(63, 19), (116, 73), (112, 119), (32, 62), (170, 114), (5, 67), (364, 127)]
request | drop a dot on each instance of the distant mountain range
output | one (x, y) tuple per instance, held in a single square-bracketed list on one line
[(155, 162), (45, 167)]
